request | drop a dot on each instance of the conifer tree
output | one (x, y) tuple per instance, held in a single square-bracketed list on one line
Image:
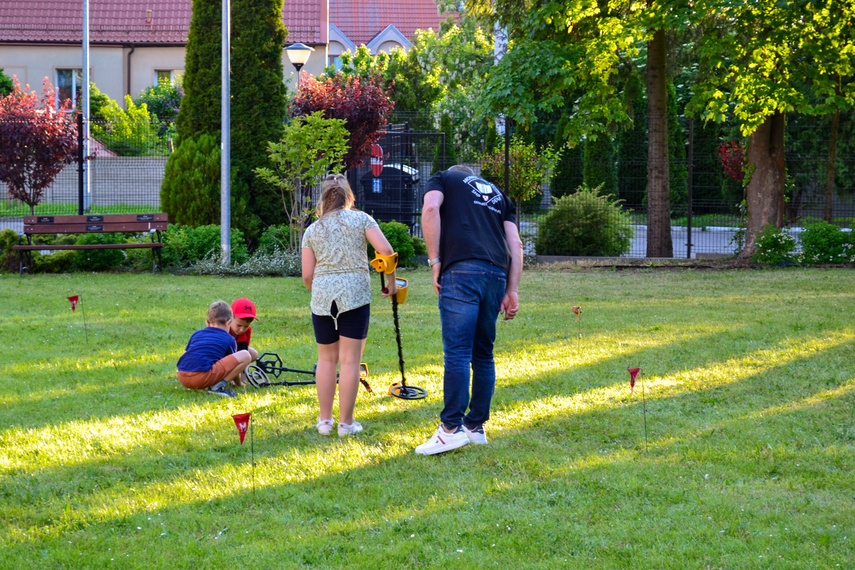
[(200, 108), (258, 99)]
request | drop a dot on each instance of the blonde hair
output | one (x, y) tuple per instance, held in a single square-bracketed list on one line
[(220, 313), (335, 195)]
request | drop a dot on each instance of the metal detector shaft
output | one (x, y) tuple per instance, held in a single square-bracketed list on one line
[(397, 329), (398, 339)]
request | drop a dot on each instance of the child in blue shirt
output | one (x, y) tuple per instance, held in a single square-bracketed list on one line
[(211, 359)]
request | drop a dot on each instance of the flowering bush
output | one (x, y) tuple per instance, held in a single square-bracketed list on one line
[(733, 159), (774, 246), (826, 243)]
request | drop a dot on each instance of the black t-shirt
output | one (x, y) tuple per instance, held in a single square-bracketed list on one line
[(472, 217)]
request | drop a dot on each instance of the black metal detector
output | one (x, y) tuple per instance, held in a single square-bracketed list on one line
[(385, 264), (270, 365)]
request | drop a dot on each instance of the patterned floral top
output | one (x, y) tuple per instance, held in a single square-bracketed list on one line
[(342, 271)]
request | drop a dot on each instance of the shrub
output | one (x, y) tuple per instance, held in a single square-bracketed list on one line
[(529, 169), (190, 192), (585, 223), (163, 101), (8, 258), (419, 246), (774, 246), (58, 262), (400, 240), (278, 262), (826, 243), (6, 85), (97, 259), (184, 244), (278, 236), (128, 132)]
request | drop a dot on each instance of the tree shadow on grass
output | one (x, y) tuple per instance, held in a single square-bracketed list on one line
[(571, 485)]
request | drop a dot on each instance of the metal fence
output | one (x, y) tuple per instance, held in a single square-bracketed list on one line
[(126, 175)]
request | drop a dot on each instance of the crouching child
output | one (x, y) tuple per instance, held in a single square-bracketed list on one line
[(243, 311), (211, 360)]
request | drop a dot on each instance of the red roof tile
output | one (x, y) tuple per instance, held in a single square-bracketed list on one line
[(125, 21), (361, 20)]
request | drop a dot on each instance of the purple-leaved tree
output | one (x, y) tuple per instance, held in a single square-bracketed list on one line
[(37, 140)]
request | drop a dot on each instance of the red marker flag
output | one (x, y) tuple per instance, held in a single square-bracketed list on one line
[(633, 373), (242, 422), (578, 312), (73, 299)]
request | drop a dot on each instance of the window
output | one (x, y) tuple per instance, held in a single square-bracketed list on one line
[(335, 61), (69, 84), (166, 76)]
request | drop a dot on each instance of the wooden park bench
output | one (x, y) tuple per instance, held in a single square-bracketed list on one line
[(152, 224)]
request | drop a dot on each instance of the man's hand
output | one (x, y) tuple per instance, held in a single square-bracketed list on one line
[(510, 305), (437, 267)]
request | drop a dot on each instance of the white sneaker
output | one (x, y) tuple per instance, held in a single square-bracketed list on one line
[(324, 426), (349, 429), (476, 435), (442, 441)]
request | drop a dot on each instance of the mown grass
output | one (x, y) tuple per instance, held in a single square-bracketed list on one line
[(105, 461)]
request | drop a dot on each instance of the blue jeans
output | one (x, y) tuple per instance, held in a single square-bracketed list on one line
[(469, 300)]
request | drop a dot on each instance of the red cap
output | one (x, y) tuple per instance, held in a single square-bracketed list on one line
[(243, 308)]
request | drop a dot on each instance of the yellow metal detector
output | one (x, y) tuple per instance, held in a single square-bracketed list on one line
[(385, 265)]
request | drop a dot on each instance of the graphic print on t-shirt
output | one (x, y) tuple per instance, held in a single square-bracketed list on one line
[(488, 193)]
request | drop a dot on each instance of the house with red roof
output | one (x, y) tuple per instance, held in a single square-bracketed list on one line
[(136, 43), (380, 25)]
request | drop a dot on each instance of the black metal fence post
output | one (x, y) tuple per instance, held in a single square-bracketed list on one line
[(689, 159), (80, 158)]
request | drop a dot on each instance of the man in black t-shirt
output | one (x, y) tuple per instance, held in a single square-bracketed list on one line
[(475, 254)]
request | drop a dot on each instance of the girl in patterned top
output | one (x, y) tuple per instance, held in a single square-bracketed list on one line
[(336, 271)]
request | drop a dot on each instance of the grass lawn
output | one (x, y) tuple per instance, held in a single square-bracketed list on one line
[(106, 461)]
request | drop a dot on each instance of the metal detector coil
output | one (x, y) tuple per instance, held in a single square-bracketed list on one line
[(400, 389), (269, 365)]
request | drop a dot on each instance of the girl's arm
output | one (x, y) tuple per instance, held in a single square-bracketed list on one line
[(309, 262), (382, 246)]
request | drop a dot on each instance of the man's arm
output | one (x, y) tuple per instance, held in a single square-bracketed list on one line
[(511, 303), (431, 229)]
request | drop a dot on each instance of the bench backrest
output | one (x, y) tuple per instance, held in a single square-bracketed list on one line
[(102, 223)]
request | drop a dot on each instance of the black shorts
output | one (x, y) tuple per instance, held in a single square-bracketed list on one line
[(351, 324)]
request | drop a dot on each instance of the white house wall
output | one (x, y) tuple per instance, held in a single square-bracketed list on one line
[(33, 63), (145, 60)]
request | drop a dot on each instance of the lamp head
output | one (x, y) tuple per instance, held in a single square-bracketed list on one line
[(298, 54)]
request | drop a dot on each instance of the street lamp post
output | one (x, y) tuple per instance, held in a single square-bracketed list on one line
[(298, 55)]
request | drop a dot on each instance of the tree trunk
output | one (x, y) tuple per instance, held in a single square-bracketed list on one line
[(765, 191), (828, 211), (658, 174)]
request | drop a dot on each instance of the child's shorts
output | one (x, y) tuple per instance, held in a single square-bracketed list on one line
[(351, 324), (207, 378)]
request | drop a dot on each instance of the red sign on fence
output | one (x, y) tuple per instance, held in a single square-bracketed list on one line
[(376, 159)]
